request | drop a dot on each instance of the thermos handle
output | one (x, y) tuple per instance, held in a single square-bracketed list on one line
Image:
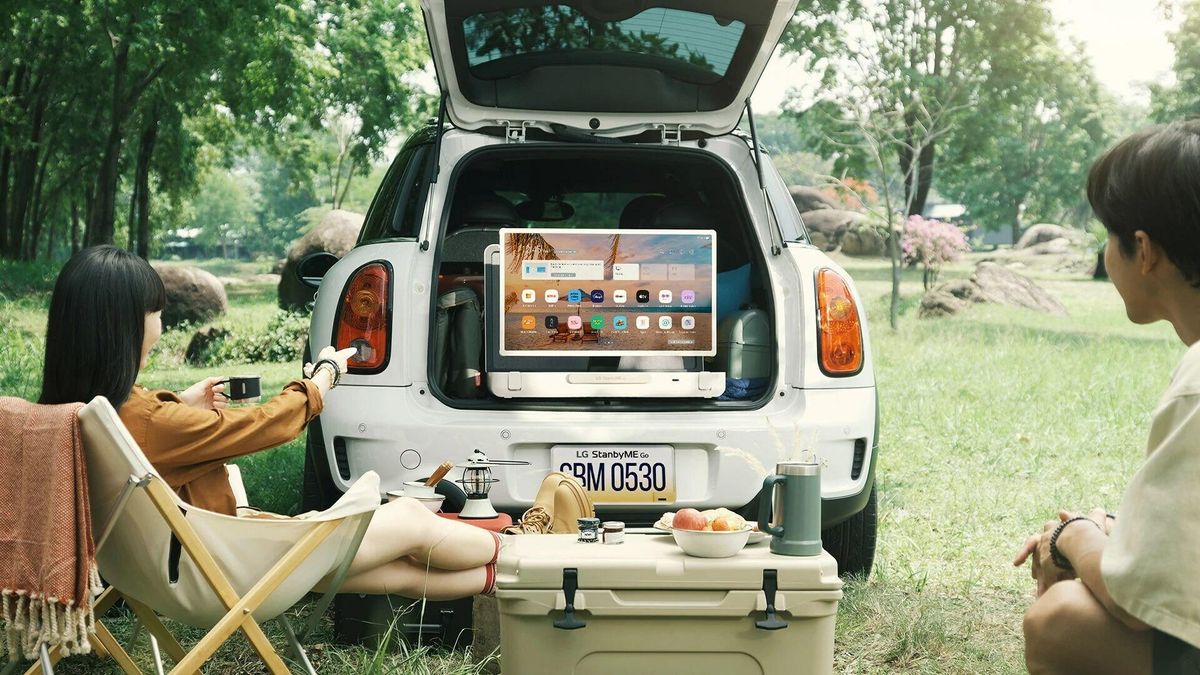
[(764, 505)]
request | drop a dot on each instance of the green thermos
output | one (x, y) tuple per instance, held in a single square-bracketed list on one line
[(791, 497)]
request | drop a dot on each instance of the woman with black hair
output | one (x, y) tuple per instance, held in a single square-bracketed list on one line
[(1121, 595), (105, 317)]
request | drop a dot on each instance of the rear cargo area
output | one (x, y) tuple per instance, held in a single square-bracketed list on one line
[(610, 187)]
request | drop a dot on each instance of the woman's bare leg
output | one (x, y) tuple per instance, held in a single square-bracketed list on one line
[(406, 528), (1068, 631), (411, 580)]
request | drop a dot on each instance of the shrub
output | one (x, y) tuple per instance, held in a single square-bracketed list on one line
[(281, 341), (932, 243)]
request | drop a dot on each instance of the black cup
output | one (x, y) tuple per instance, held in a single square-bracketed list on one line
[(243, 388)]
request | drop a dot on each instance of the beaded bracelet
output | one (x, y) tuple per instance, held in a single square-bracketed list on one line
[(1056, 555)]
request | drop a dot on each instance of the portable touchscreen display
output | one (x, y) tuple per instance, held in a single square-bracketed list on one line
[(608, 292)]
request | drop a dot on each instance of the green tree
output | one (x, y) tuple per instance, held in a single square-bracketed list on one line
[(1023, 156), (919, 60), (1182, 99)]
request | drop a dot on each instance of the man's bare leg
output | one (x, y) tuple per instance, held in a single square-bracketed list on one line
[(1068, 631)]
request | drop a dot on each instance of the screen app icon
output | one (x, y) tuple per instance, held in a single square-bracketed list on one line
[(643, 322), (664, 296), (551, 295), (597, 322), (688, 297), (528, 295), (597, 296), (574, 322), (687, 322), (552, 322), (643, 296), (664, 322), (575, 295), (620, 297), (620, 322), (528, 322)]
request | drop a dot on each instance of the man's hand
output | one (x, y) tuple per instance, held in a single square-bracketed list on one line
[(207, 394), (1037, 549)]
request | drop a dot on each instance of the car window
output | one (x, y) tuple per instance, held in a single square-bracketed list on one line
[(692, 39), (784, 206), (396, 212)]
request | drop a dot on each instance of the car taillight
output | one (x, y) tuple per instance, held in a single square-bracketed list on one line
[(364, 317), (839, 331)]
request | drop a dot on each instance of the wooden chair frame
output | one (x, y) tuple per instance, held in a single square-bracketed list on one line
[(239, 615)]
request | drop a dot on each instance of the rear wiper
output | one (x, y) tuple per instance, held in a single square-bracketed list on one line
[(577, 135)]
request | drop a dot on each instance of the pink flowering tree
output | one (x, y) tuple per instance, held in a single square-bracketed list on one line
[(931, 243)]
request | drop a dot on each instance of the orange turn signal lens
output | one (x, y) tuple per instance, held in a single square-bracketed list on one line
[(839, 329), (363, 318)]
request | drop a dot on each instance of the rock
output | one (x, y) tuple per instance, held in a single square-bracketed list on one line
[(193, 295), (963, 289), (990, 283), (277, 268), (819, 240), (832, 224), (812, 199), (1059, 246), (202, 343), (1039, 234), (864, 241), (336, 233), (1005, 287), (938, 303)]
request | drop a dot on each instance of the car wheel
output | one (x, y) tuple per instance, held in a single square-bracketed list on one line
[(319, 492), (852, 542)]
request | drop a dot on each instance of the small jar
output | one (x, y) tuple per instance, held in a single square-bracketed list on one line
[(614, 532), (589, 530)]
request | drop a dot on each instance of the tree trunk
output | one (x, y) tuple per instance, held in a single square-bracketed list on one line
[(142, 186), (893, 244), (36, 215), (5, 160), (345, 187), (74, 227), (1016, 223), (102, 216), (924, 180)]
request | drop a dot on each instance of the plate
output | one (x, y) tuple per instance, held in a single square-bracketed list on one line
[(755, 535)]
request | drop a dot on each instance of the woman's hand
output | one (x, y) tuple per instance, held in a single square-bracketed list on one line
[(322, 377), (1037, 549), (207, 394)]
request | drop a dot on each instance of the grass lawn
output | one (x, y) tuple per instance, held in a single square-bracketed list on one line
[(990, 422)]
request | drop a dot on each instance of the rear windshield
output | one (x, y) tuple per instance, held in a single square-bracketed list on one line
[(691, 38)]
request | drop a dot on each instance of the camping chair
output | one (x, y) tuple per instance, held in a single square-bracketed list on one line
[(165, 557)]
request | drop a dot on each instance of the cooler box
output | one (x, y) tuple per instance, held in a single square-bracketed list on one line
[(645, 607), (744, 345)]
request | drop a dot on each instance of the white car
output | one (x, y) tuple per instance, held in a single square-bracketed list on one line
[(585, 115)]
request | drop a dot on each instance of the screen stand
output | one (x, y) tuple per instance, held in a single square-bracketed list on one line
[(664, 364)]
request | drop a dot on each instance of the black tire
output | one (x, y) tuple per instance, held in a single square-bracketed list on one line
[(852, 542), (319, 492)]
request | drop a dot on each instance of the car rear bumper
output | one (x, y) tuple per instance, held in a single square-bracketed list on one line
[(720, 457)]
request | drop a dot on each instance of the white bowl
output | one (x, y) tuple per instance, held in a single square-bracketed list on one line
[(703, 544), (416, 488)]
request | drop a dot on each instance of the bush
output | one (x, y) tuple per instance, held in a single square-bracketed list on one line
[(281, 341), (931, 243)]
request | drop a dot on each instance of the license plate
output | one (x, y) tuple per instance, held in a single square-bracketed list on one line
[(620, 473)]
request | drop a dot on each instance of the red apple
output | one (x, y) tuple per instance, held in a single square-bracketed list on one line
[(689, 519)]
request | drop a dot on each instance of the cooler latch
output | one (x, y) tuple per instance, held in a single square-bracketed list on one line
[(570, 585), (770, 586)]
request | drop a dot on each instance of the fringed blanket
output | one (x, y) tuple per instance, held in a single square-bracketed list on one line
[(48, 578)]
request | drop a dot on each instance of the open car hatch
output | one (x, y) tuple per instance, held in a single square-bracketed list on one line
[(610, 67)]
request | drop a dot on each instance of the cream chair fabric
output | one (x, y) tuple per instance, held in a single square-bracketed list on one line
[(218, 572)]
